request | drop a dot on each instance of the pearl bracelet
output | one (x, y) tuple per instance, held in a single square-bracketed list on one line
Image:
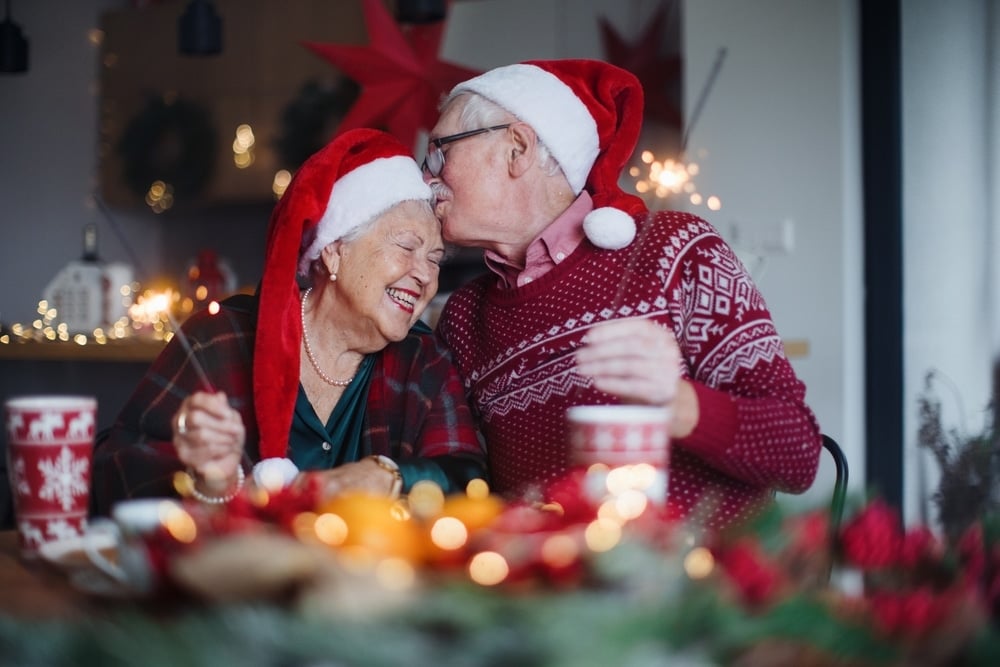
[(241, 478), (385, 463)]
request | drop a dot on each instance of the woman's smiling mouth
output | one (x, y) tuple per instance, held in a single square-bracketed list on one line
[(405, 298)]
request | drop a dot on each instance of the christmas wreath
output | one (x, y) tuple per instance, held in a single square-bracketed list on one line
[(171, 141), (308, 121)]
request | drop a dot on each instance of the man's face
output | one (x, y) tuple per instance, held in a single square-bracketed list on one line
[(470, 188)]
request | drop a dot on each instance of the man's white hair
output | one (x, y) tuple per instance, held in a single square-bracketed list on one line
[(482, 112)]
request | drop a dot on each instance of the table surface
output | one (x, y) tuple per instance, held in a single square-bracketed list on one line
[(126, 350), (37, 589)]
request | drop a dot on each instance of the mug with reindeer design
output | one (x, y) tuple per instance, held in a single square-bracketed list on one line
[(50, 444)]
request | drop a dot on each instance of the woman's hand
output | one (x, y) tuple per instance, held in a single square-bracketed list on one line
[(364, 476), (639, 362), (209, 436)]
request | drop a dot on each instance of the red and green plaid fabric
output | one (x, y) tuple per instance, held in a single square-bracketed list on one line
[(416, 410)]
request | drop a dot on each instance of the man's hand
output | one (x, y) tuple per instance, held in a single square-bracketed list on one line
[(639, 362)]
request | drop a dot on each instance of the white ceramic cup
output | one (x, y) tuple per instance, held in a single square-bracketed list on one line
[(623, 435), (130, 522)]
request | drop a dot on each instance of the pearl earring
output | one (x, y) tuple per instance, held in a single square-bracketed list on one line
[(333, 277)]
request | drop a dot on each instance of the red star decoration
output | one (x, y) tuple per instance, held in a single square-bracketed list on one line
[(659, 75), (402, 80)]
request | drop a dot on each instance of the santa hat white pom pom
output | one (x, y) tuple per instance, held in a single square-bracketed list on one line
[(275, 473), (609, 228)]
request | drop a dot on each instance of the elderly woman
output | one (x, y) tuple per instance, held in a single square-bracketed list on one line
[(339, 377)]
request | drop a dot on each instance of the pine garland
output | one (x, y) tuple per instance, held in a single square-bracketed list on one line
[(640, 603), (449, 626)]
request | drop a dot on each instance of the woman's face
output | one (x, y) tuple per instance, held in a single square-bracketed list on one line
[(387, 276)]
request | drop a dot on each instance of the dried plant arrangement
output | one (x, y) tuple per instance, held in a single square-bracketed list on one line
[(969, 488)]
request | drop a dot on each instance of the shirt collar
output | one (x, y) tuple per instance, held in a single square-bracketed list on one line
[(556, 242)]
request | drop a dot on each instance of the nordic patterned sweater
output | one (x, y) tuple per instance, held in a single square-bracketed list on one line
[(514, 352)]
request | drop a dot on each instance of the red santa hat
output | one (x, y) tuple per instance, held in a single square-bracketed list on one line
[(355, 178), (589, 115)]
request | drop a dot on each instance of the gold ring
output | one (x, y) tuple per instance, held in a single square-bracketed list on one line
[(182, 423)]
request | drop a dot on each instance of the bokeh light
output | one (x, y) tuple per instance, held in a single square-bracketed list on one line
[(488, 568), (699, 563), (395, 574), (449, 533), (602, 535), (560, 550), (426, 499), (659, 181), (331, 529)]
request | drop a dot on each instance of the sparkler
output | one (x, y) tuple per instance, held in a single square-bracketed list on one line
[(673, 176), (186, 344)]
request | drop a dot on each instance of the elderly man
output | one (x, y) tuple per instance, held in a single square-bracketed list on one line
[(592, 299)]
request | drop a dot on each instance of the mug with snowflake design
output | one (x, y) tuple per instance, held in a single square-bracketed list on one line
[(50, 445)]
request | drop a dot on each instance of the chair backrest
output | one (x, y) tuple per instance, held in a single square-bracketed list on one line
[(840, 486)]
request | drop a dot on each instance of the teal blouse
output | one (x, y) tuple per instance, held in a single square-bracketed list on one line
[(318, 446), (314, 445)]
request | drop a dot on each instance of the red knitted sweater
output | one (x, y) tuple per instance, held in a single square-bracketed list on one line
[(513, 349)]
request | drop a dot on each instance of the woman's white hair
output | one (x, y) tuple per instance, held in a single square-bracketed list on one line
[(317, 269), (482, 112)]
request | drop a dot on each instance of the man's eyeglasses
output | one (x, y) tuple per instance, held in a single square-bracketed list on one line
[(434, 162)]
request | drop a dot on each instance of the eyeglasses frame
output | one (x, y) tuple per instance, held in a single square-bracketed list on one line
[(451, 138)]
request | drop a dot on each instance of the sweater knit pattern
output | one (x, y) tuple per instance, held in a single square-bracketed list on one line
[(514, 352)]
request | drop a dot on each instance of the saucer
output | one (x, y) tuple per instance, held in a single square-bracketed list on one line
[(69, 553), (70, 556), (95, 582)]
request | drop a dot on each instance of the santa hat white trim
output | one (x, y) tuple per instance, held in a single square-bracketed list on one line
[(362, 195), (557, 114)]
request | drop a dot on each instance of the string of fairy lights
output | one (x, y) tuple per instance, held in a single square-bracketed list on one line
[(147, 317)]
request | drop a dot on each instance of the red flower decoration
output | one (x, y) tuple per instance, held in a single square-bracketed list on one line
[(872, 539), (919, 545), (911, 613), (758, 580), (570, 493), (972, 553), (807, 534)]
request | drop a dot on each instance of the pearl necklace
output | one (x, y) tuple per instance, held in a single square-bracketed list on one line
[(309, 353)]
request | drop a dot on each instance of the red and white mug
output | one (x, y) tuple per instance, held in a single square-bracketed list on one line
[(50, 445), (616, 436)]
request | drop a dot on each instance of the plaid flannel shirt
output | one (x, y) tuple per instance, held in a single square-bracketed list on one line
[(416, 410)]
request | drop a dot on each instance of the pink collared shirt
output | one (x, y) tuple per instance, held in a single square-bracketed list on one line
[(553, 245)]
